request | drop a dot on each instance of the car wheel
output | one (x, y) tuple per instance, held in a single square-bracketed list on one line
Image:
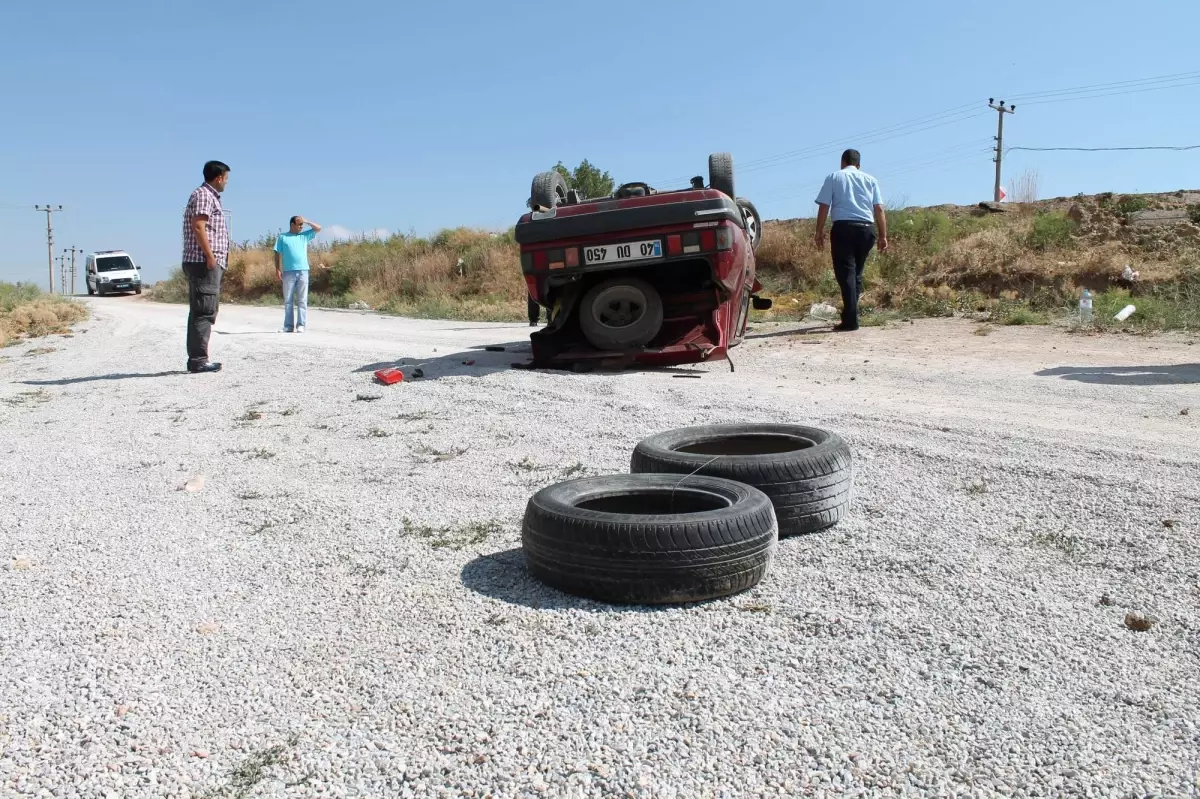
[(549, 190), (621, 314), (137, 290), (649, 539), (720, 173), (91, 290), (805, 471), (753, 221)]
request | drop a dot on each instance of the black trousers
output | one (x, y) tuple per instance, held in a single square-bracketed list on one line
[(535, 311), (850, 243), (204, 295)]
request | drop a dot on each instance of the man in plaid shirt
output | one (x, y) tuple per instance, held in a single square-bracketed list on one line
[(205, 255)]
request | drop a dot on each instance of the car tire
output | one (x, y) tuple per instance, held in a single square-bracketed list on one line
[(753, 222), (649, 539), (549, 190), (806, 472), (91, 290), (720, 173), (137, 290), (621, 314)]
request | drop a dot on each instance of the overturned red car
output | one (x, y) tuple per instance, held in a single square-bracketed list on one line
[(646, 277)]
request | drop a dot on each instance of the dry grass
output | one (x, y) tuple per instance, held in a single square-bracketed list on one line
[(27, 313), (942, 260)]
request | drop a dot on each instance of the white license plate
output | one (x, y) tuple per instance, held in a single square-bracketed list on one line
[(629, 251)]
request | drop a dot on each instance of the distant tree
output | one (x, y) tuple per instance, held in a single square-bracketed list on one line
[(587, 179)]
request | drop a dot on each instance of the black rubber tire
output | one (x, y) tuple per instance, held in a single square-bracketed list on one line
[(138, 290), (810, 487), (725, 545), (91, 291), (720, 173), (749, 212), (618, 339), (549, 190)]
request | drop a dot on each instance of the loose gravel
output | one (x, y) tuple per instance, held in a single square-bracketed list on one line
[(258, 584)]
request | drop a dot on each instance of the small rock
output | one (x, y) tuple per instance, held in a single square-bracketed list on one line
[(121, 710), (1107, 601), (1139, 623), (200, 753), (1169, 523), (195, 484), (207, 628), (1185, 411), (21, 563)]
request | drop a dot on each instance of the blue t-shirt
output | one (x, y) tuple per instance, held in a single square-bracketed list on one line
[(294, 249), (851, 196)]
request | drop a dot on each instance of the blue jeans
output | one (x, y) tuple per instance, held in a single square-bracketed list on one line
[(295, 299)]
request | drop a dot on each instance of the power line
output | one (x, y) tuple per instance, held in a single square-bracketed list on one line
[(1099, 149), (964, 112), (1029, 96)]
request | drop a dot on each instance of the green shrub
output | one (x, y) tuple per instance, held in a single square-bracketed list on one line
[(1194, 213), (1132, 203), (1050, 231)]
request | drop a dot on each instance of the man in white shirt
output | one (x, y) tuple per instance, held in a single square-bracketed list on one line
[(852, 199)]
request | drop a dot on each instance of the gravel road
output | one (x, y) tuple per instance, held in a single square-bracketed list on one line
[(342, 609)]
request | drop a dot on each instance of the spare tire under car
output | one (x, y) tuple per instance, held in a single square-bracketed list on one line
[(805, 471), (624, 313), (649, 538)]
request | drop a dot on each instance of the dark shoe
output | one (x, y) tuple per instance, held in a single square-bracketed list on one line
[(842, 328), (204, 367), (533, 324)]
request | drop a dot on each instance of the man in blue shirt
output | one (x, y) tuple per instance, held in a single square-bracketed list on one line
[(852, 198), (291, 267)]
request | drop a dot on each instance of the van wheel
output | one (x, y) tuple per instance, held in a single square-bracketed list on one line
[(138, 290), (621, 314)]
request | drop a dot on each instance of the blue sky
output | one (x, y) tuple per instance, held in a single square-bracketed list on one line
[(412, 117)]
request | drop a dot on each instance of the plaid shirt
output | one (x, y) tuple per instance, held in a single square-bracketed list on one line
[(206, 201)]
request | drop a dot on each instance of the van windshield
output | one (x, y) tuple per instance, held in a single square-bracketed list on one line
[(115, 264)]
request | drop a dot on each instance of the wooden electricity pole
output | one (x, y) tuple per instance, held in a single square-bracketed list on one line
[(49, 211), (73, 249), (1001, 111)]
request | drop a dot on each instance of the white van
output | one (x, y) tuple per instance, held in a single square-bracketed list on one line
[(110, 271)]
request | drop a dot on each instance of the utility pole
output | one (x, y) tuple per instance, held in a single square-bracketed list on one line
[(49, 211), (73, 249), (1001, 111)]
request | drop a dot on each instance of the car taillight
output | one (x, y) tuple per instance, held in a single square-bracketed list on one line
[(539, 260), (708, 240), (691, 242), (573, 257), (674, 245), (558, 259), (724, 238)]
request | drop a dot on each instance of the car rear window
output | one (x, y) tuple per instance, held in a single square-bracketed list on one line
[(114, 264)]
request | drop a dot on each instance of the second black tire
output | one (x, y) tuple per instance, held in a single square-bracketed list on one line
[(806, 472), (649, 538)]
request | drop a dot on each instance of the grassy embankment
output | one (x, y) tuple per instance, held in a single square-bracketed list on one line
[(25, 312), (1024, 266)]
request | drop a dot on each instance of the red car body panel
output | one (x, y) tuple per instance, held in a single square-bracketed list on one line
[(706, 295)]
